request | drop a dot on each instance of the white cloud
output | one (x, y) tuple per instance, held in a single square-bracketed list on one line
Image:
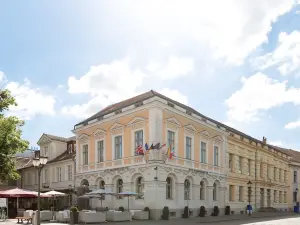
[(31, 101), (60, 86), (278, 143), (175, 67), (232, 30), (292, 125), (2, 77), (114, 82), (285, 57), (175, 95), (258, 94)]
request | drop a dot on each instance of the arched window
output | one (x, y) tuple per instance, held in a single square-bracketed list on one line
[(202, 190), (187, 189), (169, 188), (140, 187), (102, 186), (119, 185), (215, 192)]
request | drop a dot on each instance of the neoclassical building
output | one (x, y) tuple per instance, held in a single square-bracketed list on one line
[(194, 177)]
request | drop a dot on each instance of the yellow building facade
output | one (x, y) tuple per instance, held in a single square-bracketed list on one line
[(211, 166)]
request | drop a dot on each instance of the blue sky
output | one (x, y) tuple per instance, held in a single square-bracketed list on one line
[(238, 63)]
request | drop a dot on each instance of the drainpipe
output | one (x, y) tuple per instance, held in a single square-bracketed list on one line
[(255, 177)]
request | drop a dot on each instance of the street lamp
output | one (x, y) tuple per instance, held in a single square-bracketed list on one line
[(39, 164), (249, 196)]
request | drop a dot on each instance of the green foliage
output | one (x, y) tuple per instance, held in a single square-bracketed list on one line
[(202, 211), (10, 138), (74, 209), (185, 212), (121, 208), (227, 210)]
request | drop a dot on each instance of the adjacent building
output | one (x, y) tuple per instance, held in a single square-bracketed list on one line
[(58, 173)]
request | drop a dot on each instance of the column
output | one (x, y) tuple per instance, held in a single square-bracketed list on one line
[(265, 197), (210, 203), (221, 197), (272, 198)]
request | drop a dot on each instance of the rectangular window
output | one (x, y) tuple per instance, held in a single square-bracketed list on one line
[(280, 197), (230, 162), (241, 193), (274, 175), (46, 151), (171, 139), (249, 167), (216, 156), (203, 152), (100, 151), (268, 171), (138, 140), (70, 174), (295, 176), (275, 196), (45, 175), (118, 147), (240, 164), (85, 155), (58, 174), (231, 193), (280, 174), (295, 196), (188, 148)]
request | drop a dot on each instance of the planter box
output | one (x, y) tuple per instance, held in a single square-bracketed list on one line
[(141, 215), (74, 217), (92, 217), (118, 216)]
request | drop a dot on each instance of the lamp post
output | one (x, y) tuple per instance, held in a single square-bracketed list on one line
[(39, 164), (249, 196), (70, 194)]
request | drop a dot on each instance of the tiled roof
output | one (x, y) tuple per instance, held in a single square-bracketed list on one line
[(64, 156), (150, 94), (295, 155), (57, 138)]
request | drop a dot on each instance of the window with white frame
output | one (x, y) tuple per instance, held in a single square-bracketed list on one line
[(70, 172), (118, 147), (249, 167), (274, 175), (203, 152), (215, 187), (169, 188), (295, 176), (241, 189), (119, 186), (102, 186), (140, 187), (280, 197), (46, 151), (240, 163), (85, 155), (295, 193), (138, 140), (187, 189), (100, 151), (216, 156), (202, 190), (188, 148), (58, 174), (46, 175), (231, 193), (275, 196), (171, 139)]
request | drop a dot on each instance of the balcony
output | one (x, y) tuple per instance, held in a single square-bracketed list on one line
[(150, 157)]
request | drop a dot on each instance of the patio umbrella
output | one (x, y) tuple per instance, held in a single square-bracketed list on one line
[(53, 194), (17, 193), (99, 193), (128, 194)]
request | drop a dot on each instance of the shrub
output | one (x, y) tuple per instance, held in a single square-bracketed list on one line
[(227, 210), (202, 211), (165, 213), (74, 209), (146, 209), (216, 211), (121, 208), (185, 212)]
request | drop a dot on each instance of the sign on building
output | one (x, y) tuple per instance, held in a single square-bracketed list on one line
[(3, 202)]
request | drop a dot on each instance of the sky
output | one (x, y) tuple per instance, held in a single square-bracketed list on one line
[(236, 61)]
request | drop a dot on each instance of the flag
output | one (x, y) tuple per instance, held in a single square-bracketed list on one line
[(163, 148), (169, 152), (173, 152), (151, 147), (146, 147), (156, 146), (139, 150)]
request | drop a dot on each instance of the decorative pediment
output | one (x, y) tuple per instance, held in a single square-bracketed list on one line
[(99, 132), (83, 138), (218, 139), (173, 121), (205, 134), (116, 126), (136, 120), (190, 128), (43, 140)]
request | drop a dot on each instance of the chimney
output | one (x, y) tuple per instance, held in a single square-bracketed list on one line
[(264, 140)]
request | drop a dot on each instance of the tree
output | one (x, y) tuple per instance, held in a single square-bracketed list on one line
[(10, 138)]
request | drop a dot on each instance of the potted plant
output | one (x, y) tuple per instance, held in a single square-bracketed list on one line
[(216, 211), (227, 210), (165, 213), (202, 211), (74, 214), (121, 208), (185, 212)]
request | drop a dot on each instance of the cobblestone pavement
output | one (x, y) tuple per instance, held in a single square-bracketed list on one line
[(267, 219)]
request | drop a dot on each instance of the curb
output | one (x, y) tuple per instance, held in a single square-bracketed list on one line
[(258, 216)]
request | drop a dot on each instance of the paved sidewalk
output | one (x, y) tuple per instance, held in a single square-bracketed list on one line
[(211, 219)]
